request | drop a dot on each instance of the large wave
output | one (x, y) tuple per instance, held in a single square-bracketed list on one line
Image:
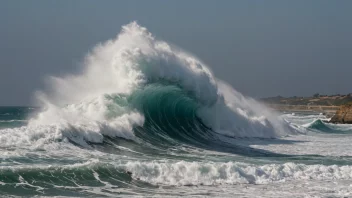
[(136, 84)]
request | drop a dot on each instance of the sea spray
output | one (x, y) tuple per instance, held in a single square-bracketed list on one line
[(99, 100)]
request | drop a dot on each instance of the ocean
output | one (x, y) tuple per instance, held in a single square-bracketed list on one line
[(145, 118)]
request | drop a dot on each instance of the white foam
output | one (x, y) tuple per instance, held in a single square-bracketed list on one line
[(211, 173), (308, 144)]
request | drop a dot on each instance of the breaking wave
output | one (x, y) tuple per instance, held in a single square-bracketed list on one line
[(137, 83)]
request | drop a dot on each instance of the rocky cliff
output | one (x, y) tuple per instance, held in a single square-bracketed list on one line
[(343, 115)]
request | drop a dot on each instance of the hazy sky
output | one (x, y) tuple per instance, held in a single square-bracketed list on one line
[(262, 48)]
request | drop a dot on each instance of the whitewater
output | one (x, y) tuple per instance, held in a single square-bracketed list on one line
[(143, 117)]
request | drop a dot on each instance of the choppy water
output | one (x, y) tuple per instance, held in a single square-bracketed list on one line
[(144, 118), (316, 163)]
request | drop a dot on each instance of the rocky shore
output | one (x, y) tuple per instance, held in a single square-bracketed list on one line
[(343, 115)]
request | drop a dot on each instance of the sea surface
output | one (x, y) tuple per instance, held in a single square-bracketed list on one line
[(160, 162), (145, 118)]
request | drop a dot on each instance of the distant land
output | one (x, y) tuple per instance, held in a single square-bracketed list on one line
[(316, 99), (326, 104)]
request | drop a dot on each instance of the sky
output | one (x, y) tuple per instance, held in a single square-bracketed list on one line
[(261, 48)]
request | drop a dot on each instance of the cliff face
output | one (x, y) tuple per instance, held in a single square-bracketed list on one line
[(343, 115)]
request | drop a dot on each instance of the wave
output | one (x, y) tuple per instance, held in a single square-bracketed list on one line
[(321, 126), (136, 84)]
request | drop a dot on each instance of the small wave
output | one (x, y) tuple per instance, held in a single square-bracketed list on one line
[(321, 126), (13, 120)]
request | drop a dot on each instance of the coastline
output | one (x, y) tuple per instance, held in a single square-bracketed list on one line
[(329, 111)]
